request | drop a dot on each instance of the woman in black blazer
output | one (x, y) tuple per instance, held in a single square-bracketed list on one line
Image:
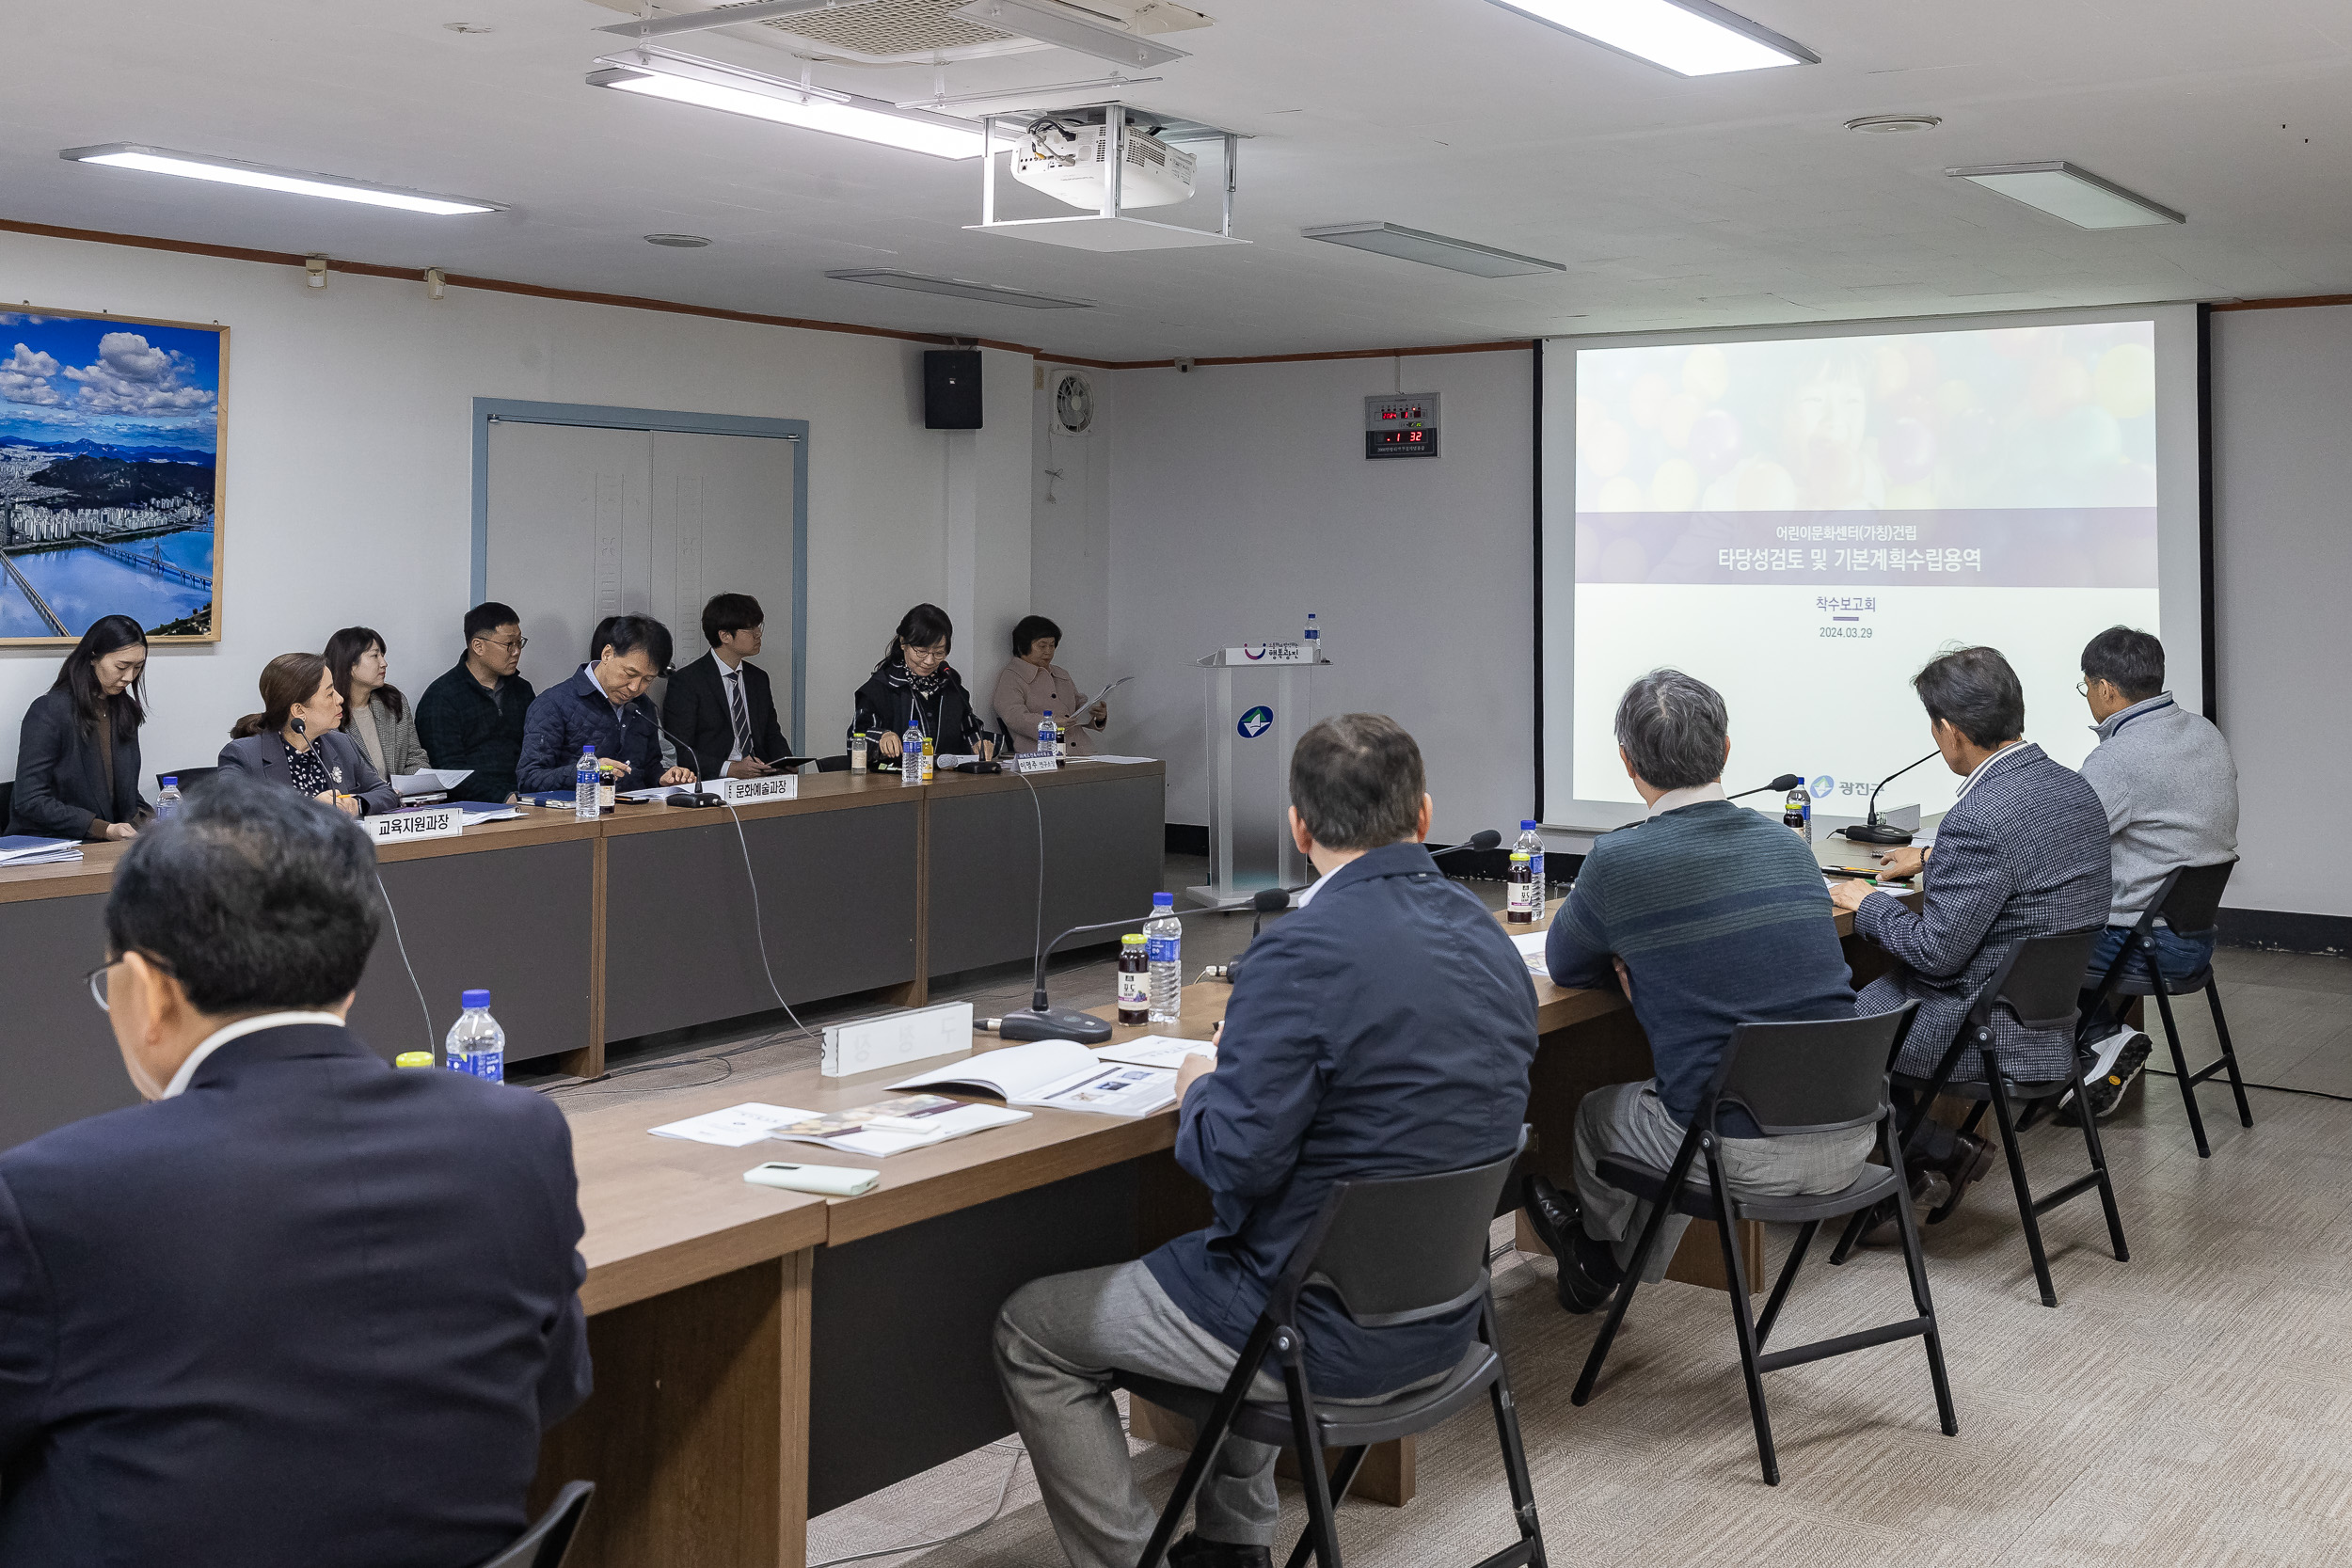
[(78, 767), (916, 684), (297, 739)]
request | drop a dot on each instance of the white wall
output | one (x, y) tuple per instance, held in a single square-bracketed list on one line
[(348, 461), (2283, 574), (1241, 500), (1069, 537)]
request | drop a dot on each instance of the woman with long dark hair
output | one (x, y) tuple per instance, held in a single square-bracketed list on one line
[(297, 739), (77, 766), (915, 684), (374, 713)]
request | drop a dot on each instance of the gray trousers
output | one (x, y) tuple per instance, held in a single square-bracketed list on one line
[(1058, 1341), (1629, 1119)]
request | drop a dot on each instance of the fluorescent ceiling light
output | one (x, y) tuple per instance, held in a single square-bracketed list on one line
[(723, 16), (2078, 196), (1027, 96), (1048, 23), (685, 79), (1690, 38), (957, 288), (231, 171), (1437, 251)]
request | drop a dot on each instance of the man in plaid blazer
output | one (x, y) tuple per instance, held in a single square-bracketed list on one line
[(2022, 853)]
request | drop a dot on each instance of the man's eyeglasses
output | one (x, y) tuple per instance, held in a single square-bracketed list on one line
[(96, 978), (517, 645)]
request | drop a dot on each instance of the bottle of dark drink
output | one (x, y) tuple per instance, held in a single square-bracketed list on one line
[(1135, 981), (1797, 813), (1519, 907)]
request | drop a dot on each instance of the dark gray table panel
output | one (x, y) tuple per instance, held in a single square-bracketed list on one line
[(837, 889), (1102, 849), (518, 922), (58, 1061), (901, 1373)]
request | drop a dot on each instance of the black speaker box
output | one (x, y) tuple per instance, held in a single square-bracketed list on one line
[(951, 389)]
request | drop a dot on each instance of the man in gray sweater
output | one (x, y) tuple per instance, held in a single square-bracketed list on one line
[(2169, 788)]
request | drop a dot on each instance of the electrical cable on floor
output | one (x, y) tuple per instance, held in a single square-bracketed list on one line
[(400, 942), (1002, 1493), (2274, 1088)]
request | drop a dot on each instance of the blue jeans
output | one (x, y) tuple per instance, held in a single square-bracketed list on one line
[(2178, 958)]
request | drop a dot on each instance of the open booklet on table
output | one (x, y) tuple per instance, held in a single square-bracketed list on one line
[(885, 1128), (1132, 1080)]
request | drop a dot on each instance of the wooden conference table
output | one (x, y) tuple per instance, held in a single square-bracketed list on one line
[(763, 1355), (641, 922)]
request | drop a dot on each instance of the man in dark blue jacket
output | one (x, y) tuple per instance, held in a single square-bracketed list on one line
[(1384, 1029), (604, 705), (303, 1308)]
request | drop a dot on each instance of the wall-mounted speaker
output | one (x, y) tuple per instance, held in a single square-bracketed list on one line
[(951, 389)]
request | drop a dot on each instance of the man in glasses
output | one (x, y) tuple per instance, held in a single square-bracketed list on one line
[(472, 716), (303, 1301), (604, 705)]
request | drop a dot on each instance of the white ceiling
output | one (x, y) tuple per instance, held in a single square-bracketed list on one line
[(1724, 200)]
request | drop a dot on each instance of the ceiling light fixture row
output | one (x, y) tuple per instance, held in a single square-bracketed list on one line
[(653, 72), (1690, 38), (236, 171)]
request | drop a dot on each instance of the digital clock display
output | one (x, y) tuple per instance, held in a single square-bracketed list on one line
[(1401, 424), (1403, 437), (1400, 413)]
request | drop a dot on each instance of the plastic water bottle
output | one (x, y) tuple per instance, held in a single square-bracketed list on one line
[(1048, 735), (1314, 640), (1164, 946), (910, 754), (476, 1044), (584, 804), (167, 804), (1527, 897), (1797, 813)]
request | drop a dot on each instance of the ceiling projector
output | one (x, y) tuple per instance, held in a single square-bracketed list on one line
[(1072, 164)]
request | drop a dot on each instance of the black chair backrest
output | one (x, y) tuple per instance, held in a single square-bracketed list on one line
[(2190, 899), (546, 1543), (1817, 1076), (189, 777), (1399, 1249), (2041, 981)]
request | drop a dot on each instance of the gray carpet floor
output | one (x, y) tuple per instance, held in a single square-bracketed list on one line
[(2191, 1406)]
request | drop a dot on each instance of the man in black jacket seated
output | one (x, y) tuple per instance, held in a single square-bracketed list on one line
[(720, 706), (303, 1308), (1384, 1029), (472, 716)]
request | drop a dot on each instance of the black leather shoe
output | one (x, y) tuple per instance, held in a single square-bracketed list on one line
[(1589, 1275), (1552, 1213), (1193, 1552), (1971, 1158)]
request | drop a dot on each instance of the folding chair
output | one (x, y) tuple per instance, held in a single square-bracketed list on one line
[(547, 1542), (2189, 901), (1792, 1079), (2039, 983), (1401, 1250)]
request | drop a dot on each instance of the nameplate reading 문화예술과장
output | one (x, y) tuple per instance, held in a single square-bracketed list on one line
[(742, 792)]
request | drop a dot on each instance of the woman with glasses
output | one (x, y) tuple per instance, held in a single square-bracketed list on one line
[(374, 712), (78, 765), (297, 739), (916, 685)]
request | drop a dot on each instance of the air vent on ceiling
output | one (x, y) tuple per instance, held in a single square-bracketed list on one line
[(899, 30)]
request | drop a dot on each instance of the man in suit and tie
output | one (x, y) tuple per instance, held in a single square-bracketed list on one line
[(2022, 853), (303, 1306), (720, 705)]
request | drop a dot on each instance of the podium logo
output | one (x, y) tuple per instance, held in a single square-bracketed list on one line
[(1822, 787), (1255, 722)]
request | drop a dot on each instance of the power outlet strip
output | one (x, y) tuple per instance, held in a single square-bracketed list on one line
[(871, 1044)]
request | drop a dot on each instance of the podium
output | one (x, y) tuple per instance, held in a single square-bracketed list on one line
[(1249, 792)]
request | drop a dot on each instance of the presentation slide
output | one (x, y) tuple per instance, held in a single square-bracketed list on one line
[(1803, 522)]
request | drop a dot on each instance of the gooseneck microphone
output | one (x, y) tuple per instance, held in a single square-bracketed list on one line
[(1485, 838), (698, 797), (1876, 831), (1042, 1021), (1784, 783)]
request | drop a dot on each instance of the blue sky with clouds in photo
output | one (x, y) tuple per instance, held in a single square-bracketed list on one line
[(66, 378)]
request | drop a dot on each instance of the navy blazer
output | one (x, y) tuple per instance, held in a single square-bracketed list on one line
[(348, 765), (60, 777), (695, 709), (315, 1309), (565, 717), (2023, 854), (1386, 1029)]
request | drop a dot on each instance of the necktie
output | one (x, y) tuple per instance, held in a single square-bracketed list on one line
[(735, 708)]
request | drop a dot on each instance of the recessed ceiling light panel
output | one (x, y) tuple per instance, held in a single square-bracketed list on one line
[(707, 83), (1690, 38), (2077, 195), (1436, 250), (956, 288), (234, 171)]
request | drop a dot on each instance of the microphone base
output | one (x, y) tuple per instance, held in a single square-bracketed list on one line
[(1054, 1023), (697, 800), (1878, 834)]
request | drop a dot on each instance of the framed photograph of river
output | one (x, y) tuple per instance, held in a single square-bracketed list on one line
[(111, 440)]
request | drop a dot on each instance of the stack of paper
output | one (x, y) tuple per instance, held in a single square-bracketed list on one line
[(887, 1127), (22, 851), (432, 780), (485, 811)]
